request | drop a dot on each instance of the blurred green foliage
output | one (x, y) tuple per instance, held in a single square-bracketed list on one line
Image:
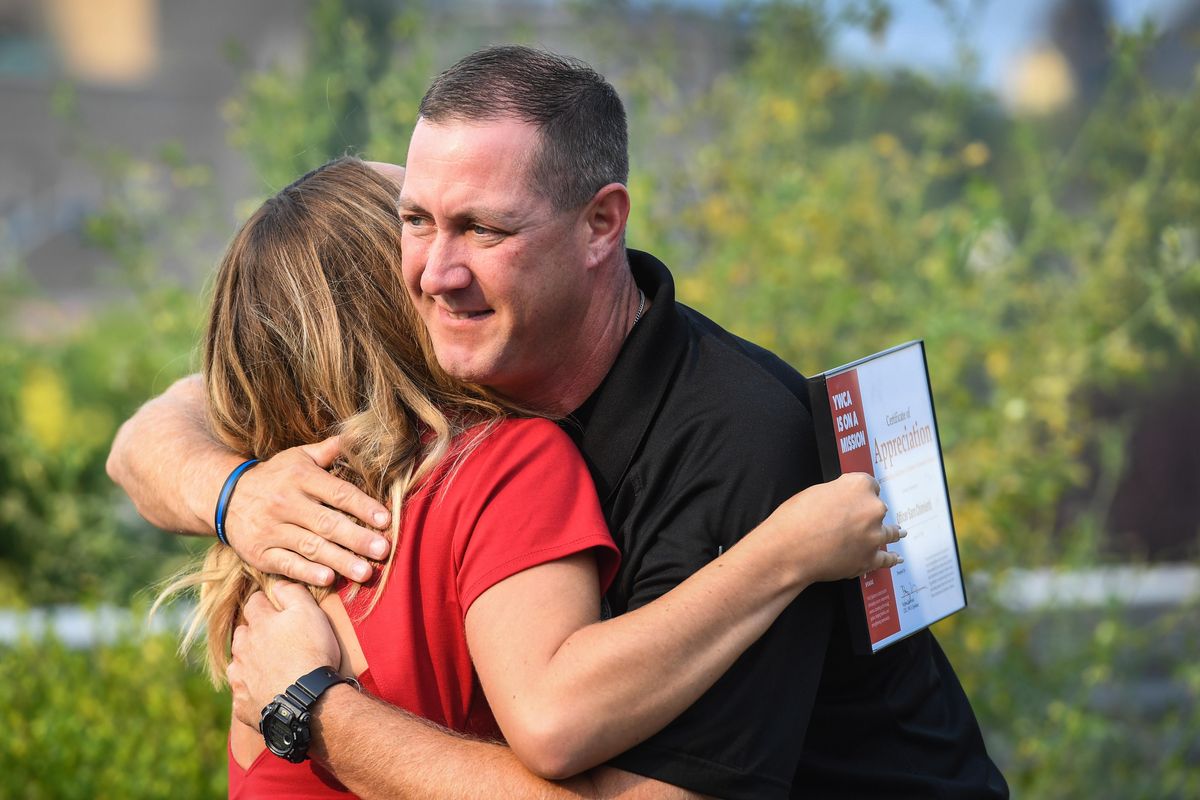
[(821, 210), (66, 386), (122, 720)]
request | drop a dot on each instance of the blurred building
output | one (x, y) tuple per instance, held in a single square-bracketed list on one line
[(143, 72)]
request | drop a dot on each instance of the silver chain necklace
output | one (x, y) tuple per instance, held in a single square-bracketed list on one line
[(641, 306)]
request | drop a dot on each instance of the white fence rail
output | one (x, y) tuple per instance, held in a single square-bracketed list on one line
[(1162, 586), (82, 628)]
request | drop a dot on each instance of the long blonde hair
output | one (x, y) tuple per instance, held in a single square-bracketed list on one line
[(311, 334)]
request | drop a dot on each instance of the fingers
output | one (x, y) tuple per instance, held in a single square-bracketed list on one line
[(341, 496), (883, 559), (243, 705), (257, 605), (869, 480), (888, 559), (334, 492), (320, 540), (280, 561), (866, 479), (290, 503), (239, 638), (325, 452), (291, 595), (309, 548), (285, 594), (337, 493)]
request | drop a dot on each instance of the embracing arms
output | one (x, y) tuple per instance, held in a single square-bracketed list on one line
[(280, 520), (567, 690), (380, 751), (571, 692), (709, 624)]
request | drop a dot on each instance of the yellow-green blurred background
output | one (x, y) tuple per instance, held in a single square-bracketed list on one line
[(1017, 182)]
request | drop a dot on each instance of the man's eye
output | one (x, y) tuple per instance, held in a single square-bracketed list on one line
[(412, 221), (486, 233)]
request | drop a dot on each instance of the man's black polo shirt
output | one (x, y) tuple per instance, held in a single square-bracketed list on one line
[(694, 437)]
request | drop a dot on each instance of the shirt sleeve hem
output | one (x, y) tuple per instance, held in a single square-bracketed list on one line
[(487, 580)]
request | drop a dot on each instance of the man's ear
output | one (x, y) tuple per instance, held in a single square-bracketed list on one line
[(605, 218)]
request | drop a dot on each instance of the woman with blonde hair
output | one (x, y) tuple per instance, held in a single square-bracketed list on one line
[(312, 334)]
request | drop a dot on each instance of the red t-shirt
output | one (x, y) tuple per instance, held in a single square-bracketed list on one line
[(522, 497)]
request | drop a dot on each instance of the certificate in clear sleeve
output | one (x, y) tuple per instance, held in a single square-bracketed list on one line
[(875, 415)]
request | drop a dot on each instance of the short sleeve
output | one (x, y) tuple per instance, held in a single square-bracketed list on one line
[(528, 499)]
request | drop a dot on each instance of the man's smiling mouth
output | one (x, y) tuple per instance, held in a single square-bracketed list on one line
[(467, 315)]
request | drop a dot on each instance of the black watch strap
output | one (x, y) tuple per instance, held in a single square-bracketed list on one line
[(307, 688)]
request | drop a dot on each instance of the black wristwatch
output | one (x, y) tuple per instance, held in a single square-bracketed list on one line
[(284, 722)]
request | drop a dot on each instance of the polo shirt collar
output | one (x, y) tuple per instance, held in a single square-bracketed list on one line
[(613, 422)]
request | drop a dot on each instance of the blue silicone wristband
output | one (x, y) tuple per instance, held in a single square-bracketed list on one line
[(223, 498)]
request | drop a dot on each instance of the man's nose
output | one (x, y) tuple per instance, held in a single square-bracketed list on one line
[(447, 268)]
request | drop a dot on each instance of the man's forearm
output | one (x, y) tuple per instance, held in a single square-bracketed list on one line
[(379, 751), (148, 453)]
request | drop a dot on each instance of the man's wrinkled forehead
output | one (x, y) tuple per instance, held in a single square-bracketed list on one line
[(497, 145), (448, 124)]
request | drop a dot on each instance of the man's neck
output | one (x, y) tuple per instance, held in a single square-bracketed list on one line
[(608, 323)]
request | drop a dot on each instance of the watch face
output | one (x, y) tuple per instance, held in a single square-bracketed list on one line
[(278, 732), (285, 730)]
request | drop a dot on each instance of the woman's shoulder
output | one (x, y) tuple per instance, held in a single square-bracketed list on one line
[(524, 433), (532, 428), (515, 442)]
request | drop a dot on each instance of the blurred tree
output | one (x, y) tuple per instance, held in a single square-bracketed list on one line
[(357, 92)]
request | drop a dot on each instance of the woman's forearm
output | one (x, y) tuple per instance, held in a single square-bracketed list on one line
[(570, 695), (614, 683)]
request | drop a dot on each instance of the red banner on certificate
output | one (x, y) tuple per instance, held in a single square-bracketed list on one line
[(854, 455)]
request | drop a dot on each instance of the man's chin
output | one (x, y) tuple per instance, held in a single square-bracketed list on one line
[(467, 370)]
